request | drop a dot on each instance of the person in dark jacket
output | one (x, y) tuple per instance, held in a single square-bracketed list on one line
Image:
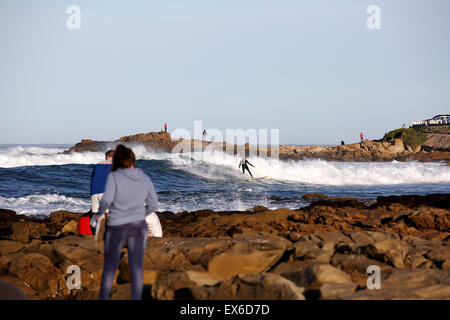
[(129, 196), (98, 182), (244, 163)]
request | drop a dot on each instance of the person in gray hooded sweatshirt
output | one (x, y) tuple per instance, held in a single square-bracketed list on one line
[(129, 195)]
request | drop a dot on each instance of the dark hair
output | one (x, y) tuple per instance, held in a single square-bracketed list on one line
[(123, 158), (109, 153)]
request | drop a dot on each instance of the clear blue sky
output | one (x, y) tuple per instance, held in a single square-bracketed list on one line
[(310, 68)]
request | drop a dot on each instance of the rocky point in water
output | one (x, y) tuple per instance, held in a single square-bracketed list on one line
[(321, 251), (433, 150)]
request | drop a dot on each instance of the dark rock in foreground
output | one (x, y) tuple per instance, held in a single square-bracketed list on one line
[(318, 252)]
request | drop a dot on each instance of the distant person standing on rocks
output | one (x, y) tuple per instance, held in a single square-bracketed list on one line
[(129, 196), (165, 127), (204, 134), (362, 137), (98, 183)]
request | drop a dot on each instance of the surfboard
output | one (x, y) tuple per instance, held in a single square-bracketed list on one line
[(259, 178)]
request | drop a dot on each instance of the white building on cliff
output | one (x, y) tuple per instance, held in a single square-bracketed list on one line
[(439, 120)]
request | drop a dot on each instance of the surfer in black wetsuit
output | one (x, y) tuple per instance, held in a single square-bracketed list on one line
[(244, 165)]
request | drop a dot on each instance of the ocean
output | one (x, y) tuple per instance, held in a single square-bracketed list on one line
[(39, 179)]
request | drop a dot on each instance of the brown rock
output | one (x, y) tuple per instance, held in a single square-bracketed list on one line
[(390, 251), (317, 274), (37, 271), (6, 221), (314, 196), (263, 286), (410, 284), (251, 254), (174, 285), (337, 291)]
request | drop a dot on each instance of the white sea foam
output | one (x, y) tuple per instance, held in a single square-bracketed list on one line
[(39, 156), (44, 204), (219, 166)]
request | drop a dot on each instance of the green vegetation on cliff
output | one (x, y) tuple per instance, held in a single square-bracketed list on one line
[(435, 129), (410, 136)]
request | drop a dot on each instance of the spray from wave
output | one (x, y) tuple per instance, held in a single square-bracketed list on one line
[(217, 165), (20, 156), (44, 204)]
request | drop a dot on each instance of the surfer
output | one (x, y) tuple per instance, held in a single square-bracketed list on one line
[(244, 165)]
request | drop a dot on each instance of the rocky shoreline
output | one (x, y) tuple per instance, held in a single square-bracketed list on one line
[(321, 251), (434, 149)]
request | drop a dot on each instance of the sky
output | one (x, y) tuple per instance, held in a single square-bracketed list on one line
[(311, 69)]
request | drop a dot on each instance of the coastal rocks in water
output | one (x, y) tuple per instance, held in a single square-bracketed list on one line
[(364, 151), (156, 140)]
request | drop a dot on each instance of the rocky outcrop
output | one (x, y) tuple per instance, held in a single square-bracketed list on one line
[(322, 251), (364, 151), (159, 141), (437, 143)]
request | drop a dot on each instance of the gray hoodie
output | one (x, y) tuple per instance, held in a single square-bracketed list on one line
[(129, 195)]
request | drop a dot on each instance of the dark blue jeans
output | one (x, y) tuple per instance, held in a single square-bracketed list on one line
[(135, 234)]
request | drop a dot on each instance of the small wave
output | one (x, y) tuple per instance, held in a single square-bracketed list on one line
[(44, 204), (20, 156), (218, 165)]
